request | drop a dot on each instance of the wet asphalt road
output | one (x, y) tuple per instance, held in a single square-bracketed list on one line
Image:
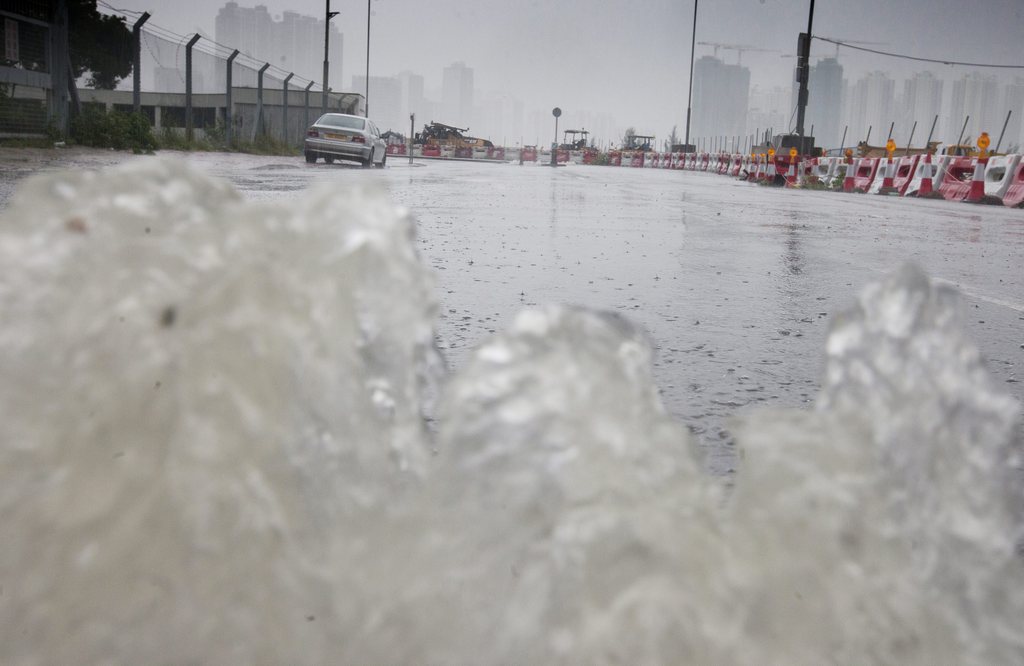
[(735, 283)]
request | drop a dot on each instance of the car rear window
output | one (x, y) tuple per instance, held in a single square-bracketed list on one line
[(348, 122)]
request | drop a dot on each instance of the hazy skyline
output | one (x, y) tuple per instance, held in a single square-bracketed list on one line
[(631, 58)]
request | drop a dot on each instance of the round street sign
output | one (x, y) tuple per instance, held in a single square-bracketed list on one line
[(556, 112)]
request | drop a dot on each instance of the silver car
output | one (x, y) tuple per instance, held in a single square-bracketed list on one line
[(340, 136)]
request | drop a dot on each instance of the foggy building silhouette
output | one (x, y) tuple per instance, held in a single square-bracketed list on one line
[(1013, 98), (770, 108), (457, 95), (872, 105), (385, 101), (721, 94), (922, 100), (974, 95), (825, 102), (295, 43)]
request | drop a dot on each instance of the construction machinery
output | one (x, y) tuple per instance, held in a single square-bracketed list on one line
[(439, 134)]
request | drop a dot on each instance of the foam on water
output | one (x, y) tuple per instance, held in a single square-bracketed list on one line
[(212, 449)]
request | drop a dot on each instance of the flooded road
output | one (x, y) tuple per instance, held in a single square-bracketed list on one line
[(734, 283)]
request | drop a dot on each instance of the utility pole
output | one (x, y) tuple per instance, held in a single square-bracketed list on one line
[(689, 94), (803, 68), (328, 15), (137, 62), (368, 58)]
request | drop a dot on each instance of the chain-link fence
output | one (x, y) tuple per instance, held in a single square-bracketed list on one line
[(186, 84), (25, 69), (233, 96)]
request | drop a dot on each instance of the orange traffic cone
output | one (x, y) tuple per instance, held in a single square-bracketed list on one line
[(851, 168), (977, 190), (926, 180)]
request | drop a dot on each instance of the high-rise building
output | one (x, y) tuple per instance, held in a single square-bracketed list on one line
[(385, 102), (457, 95), (825, 103), (294, 44), (976, 96), (412, 96), (1013, 99), (769, 109), (872, 105), (721, 94), (922, 101)]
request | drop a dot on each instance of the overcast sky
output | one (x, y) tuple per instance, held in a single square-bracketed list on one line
[(631, 57)]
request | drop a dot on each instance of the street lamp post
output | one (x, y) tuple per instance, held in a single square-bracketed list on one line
[(368, 58), (689, 94), (328, 15)]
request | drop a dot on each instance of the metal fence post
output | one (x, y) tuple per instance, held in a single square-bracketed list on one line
[(228, 104), (59, 66), (137, 62), (258, 129), (305, 111), (284, 104), (188, 86)]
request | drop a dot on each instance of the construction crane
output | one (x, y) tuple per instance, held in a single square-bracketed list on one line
[(738, 48)]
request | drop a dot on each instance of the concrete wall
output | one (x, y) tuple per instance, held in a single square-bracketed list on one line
[(167, 109)]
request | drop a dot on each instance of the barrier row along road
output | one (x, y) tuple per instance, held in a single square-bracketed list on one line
[(994, 180)]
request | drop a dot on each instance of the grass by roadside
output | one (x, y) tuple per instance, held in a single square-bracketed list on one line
[(132, 132)]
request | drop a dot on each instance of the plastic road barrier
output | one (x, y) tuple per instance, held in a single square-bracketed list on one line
[(999, 174)]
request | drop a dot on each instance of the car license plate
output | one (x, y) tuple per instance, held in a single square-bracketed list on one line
[(337, 137)]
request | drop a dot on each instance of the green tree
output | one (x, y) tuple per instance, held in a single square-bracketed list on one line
[(100, 44)]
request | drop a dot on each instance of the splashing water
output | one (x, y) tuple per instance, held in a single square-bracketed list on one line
[(212, 450)]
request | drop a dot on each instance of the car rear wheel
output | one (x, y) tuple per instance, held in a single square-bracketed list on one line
[(329, 159), (310, 157), (383, 161)]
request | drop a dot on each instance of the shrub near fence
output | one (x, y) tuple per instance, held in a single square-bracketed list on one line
[(121, 131)]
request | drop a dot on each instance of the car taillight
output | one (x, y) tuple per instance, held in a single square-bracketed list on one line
[(358, 139), (313, 133)]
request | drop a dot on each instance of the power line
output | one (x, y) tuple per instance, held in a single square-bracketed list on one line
[(919, 59)]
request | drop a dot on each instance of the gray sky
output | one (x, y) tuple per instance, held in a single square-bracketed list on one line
[(631, 57)]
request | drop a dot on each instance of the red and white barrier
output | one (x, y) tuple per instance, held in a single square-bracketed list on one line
[(864, 173), (787, 168), (822, 168), (903, 173), (722, 164), (927, 176), (999, 174), (956, 178), (1014, 196), (736, 166), (883, 182)]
